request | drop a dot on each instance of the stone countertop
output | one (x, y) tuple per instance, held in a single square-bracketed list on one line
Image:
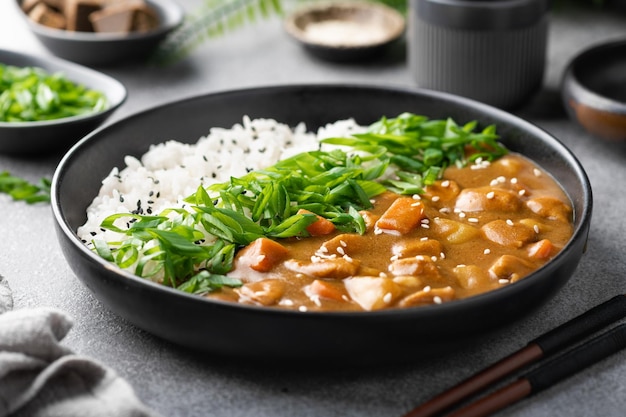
[(175, 382)]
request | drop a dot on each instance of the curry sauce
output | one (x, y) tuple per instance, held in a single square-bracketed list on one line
[(479, 228)]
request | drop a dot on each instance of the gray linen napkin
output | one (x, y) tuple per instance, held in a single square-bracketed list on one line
[(41, 378)]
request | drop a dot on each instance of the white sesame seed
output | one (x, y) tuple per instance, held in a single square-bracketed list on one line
[(490, 195), (521, 192), (457, 210), (416, 197), (425, 226), (444, 210), (425, 221), (387, 298), (420, 257), (435, 198), (503, 281), (424, 239), (433, 258), (501, 179), (341, 251), (487, 251), (460, 266), (345, 298), (472, 220), (416, 204), (286, 302), (315, 259), (299, 275), (323, 249), (536, 228), (537, 172), (493, 183), (437, 299), (509, 222), (343, 243), (347, 258), (378, 231), (442, 255), (462, 215), (426, 288), (445, 184), (316, 300), (302, 308), (513, 180)]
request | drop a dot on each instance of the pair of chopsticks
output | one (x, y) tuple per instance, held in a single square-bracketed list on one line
[(546, 374)]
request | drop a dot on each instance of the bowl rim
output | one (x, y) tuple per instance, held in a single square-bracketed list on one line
[(170, 9), (297, 32), (53, 64), (580, 230), (578, 89)]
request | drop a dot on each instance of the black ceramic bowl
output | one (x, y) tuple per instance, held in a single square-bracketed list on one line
[(345, 31), (103, 49), (57, 135), (254, 332), (594, 90)]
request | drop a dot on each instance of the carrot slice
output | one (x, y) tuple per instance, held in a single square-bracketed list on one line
[(320, 227), (324, 289), (404, 214), (541, 250), (263, 254)]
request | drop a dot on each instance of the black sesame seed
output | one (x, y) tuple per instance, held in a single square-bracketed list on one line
[(204, 157), (92, 233)]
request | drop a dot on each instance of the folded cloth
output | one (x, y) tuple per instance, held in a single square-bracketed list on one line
[(41, 378)]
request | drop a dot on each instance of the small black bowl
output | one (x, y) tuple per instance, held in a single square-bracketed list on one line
[(345, 31), (244, 331), (594, 90), (59, 134), (103, 49)]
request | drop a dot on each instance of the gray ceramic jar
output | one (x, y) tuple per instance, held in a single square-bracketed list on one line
[(492, 51)]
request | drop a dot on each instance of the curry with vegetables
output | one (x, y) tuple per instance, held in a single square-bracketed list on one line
[(409, 213), (479, 228)]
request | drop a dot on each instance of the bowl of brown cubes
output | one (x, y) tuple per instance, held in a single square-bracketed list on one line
[(101, 32)]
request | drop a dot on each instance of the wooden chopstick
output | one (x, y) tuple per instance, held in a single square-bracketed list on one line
[(549, 373), (545, 345)]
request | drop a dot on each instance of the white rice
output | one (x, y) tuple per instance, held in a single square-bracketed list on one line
[(171, 171)]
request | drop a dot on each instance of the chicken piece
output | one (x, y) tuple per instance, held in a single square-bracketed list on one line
[(418, 266), (373, 293), (488, 199), (443, 190), (338, 268), (510, 267), (266, 292), (550, 208), (472, 276), (407, 248), (428, 296), (345, 244), (509, 234)]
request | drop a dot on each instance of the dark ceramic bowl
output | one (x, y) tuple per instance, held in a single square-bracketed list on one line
[(594, 90), (57, 135), (243, 331), (345, 30), (98, 49)]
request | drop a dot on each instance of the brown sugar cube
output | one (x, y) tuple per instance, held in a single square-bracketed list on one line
[(46, 16), (28, 5), (77, 13), (112, 20), (145, 20)]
